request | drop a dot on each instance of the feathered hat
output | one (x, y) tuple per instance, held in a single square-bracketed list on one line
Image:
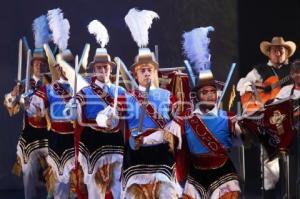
[(96, 28), (60, 28), (41, 36), (139, 23), (195, 46)]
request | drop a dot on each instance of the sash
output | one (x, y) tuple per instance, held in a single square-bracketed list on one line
[(61, 91), (205, 136), (106, 97), (151, 112)]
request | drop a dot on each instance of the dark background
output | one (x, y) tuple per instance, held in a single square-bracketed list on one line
[(239, 28)]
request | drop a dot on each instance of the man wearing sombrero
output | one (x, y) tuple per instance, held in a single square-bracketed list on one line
[(278, 51)]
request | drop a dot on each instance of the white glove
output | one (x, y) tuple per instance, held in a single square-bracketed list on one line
[(26, 96), (175, 129), (70, 110), (106, 118)]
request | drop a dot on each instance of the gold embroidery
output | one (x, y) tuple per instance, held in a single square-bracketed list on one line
[(50, 178), (277, 120), (103, 176), (74, 182), (17, 168), (145, 191), (170, 139)]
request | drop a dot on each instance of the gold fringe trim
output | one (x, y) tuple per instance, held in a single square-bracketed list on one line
[(185, 196), (103, 176), (50, 178), (179, 94), (169, 137), (230, 195), (232, 97), (146, 191), (43, 163), (48, 120), (73, 181), (13, 110), (17, 168)]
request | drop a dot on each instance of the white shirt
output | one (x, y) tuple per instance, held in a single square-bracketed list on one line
[(101, 84), (214, 111), (36, 78)]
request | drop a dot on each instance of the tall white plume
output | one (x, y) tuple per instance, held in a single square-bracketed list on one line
[(60, 28), (139, 23), (195, 46), (41, 31), (96, 28)]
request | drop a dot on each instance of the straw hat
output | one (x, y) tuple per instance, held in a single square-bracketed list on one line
[(278, 41)]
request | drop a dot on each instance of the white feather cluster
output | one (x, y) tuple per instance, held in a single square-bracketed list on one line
[(60, 28), (139, 23), (41, 31), (96, 28), (195, 46)]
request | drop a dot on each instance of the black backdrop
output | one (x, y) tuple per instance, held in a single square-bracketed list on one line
[(239, 29), (176, 16), (258, 21)]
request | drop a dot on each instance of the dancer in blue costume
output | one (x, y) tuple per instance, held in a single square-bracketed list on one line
[(100, 148), (209, 130), (32, 146)]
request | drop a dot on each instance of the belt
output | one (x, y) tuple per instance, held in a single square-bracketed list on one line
[(37, 122), (62, 127), (209, 161)]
